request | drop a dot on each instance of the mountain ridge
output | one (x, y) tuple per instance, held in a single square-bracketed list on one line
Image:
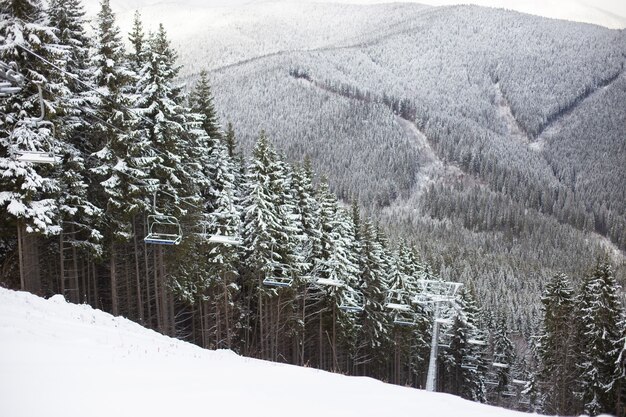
[(495, 94)]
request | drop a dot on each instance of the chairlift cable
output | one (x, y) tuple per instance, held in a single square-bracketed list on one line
[(91, 113), (115, 104)]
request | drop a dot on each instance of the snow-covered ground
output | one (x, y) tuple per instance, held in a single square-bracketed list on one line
[(60, 359)]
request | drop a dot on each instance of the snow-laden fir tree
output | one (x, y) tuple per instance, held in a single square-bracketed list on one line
[(79, 217), (224, 219), (619, 380), (163, 119), (266, 244), (121, 150), (307, 209), (137, 57), (598, 332), (467, 366), (375, 320), (201, 101), (556, 347), (28, 196), (290, 249), (503, 361)]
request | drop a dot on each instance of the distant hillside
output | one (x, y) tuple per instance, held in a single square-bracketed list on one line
[(493, 140)]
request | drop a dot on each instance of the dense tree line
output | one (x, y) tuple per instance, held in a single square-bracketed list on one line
[(508, 210), (137, 158), (297, 277)]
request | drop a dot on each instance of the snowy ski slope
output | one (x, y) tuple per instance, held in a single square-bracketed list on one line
[(60, 359)]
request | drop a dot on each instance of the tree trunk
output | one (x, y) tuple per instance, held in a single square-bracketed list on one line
[(114, 300), (138, 288), (30, 278)]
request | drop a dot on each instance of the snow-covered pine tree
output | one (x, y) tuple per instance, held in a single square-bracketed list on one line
[(201, 101), (137, 57), (556, 347), (80, 236), (163, 117), (597, 337), (336, 272), (464, 360), (401, 291), (28, 191), (166, 123), (230, 140), (120, 150), (375, 321), (264, 238), (619, 378), (307, 210), (503, 360), (224, 219)]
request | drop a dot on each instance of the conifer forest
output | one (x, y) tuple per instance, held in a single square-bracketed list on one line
[(165, 193)]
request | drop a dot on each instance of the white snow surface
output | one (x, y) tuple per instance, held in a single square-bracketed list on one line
[(61, 359)]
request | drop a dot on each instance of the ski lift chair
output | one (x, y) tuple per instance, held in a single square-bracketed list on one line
[(469, 366), (163, 230), (405, 318), (328, 282), (46, 155), (12, 81), (398, 300), (225, 239), (352, 301), (277, 281), (500, 365), (469, 362)]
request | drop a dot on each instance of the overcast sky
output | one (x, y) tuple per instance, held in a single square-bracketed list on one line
[(609, 13)]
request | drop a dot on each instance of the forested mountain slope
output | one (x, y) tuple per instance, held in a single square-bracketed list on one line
[(493, 140)]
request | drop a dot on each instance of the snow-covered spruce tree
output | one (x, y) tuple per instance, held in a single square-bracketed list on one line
[(598, 332), (137, 57), (160, 103), (375, 320), (201, 101), (404, 331), (465, 362), (264, 239), (230, 140), (332, 263), (119, 148), (166, 124), (29, 192), (80, 235), (556, 347), (503, 360), (619, 379), (223, 219)]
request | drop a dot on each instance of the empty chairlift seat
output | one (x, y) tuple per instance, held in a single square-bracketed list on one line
[(43, 156), (163, 230), (352, 301), (225, 240), (328, 282), (274, 280), (398, 300)]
